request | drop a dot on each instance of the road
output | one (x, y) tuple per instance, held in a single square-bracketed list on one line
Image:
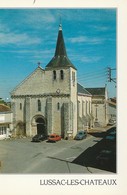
[(66, 156)]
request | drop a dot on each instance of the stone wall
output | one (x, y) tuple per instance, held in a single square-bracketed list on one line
[(27, 116), (85, 120), (41, 82), (40, 86), (49, 115)]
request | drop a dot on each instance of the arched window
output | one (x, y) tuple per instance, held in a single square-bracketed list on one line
[(73, 78), (86, 107), (89, 107), (39, 105), (54, 75), (79, 108), (58, 106), (20, 106), (62, 74)]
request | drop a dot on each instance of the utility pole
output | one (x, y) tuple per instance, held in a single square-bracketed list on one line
[(110, 78)]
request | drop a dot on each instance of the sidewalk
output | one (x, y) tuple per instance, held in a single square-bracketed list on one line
[(100, 129), (80, 169)]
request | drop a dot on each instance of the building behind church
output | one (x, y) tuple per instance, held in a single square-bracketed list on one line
[(51, 101)]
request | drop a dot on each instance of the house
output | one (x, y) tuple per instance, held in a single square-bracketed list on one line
[(6, 118), (99, 105)]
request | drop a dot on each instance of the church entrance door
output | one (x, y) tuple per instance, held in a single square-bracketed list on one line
[(41, 126)]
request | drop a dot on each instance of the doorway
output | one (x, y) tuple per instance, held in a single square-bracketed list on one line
[(41, 126)]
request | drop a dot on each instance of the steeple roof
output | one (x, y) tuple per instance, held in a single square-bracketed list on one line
[(60, 58), (60, 46)]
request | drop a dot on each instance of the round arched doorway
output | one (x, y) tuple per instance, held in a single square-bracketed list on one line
[(39, 125)]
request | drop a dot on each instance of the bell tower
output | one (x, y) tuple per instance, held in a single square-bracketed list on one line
[(63, 78)]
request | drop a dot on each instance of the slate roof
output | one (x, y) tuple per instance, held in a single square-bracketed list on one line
[(60, 58), (4, 108), (82, 90), (96, 91)]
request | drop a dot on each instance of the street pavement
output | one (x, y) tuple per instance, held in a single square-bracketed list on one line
[(21, 156)]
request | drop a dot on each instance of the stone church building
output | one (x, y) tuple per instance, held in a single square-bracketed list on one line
[(51, 101)]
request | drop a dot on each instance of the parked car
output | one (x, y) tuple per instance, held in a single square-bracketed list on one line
[(110, 137), (39, 137), (54, 137), (113, 133), (112, 122), (81, 135)]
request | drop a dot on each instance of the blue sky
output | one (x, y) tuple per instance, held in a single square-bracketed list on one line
[(28, 36)]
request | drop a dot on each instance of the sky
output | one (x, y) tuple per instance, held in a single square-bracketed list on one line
[(28, 36)]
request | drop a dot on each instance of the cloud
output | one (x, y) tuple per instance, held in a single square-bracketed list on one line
[(38, 18), (35, 54), (85, 58), (100, 28), (88, 40), (31, 52), (79, 39), (96, 40), (89, 14), (90, 59), (27, 20), (14, 38)]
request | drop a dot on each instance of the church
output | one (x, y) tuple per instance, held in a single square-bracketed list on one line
[(51, 101)]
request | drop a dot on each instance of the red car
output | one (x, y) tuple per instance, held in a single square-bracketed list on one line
[(54, 137)]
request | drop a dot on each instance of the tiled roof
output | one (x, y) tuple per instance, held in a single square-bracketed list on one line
[(4, 108), (96, 91), (82, 90)]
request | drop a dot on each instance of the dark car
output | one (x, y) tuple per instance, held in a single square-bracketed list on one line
[(38, 138), (81, 135)]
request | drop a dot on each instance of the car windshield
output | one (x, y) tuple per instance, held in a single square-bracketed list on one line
[(52, 136), (80, 133), (36, 136)]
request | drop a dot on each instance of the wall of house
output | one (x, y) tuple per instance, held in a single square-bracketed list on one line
[(5, 124), (6, 117), (99, 111), (112, 111)]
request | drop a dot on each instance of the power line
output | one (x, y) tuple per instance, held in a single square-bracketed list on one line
[(93, 75)]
